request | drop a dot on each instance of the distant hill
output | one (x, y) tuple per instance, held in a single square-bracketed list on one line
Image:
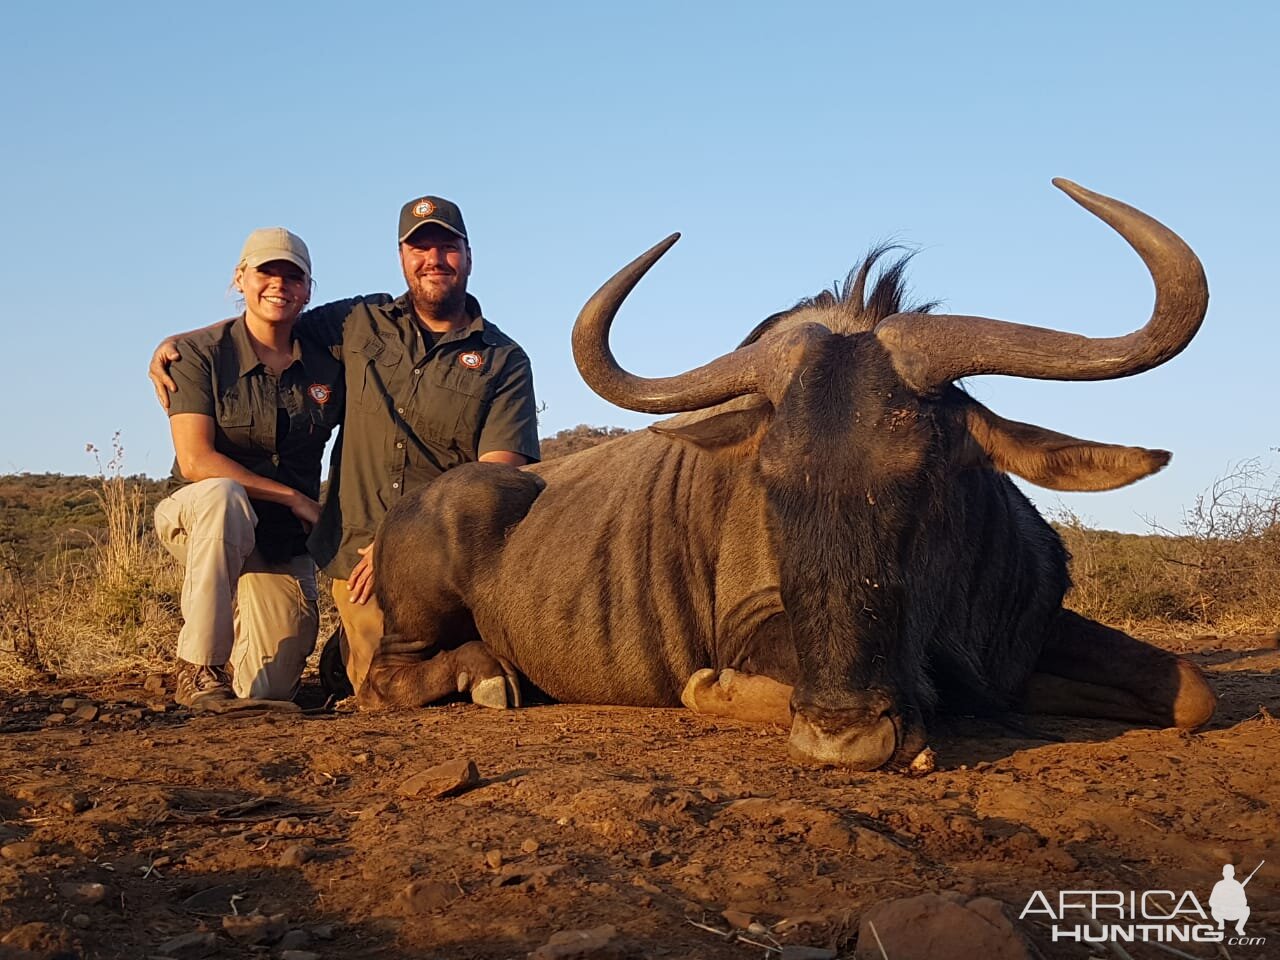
[(43, 513)]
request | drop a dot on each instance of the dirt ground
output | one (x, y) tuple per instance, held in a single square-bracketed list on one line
[(136, 830)]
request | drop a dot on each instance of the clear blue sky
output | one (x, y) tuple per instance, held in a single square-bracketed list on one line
[(143, 141)]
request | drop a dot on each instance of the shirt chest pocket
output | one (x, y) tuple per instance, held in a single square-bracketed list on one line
[(448, 407), (235, 420)]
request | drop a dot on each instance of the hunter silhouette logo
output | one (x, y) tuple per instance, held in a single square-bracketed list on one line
[(471, 360), (1228, 901), (424, 208)]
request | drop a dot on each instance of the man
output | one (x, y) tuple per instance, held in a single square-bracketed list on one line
[(430, 385)]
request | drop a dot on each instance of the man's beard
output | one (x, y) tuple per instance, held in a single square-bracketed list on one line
[(434, 301)]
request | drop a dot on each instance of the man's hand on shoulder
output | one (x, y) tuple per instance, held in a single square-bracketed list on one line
[(158, 371), (165, 355)]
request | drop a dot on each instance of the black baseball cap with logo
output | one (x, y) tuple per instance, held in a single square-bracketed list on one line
[(423, 210)]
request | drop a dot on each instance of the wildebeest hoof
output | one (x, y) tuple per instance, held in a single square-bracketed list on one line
[(744, 696), (696, 684), (491, 693)]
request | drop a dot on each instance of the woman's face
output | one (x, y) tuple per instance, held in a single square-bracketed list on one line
[(275, 291)]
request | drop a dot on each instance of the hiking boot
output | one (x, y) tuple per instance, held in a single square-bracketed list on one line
[(199, 684)]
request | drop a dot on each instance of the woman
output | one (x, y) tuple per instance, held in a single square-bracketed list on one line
[(254, 408)]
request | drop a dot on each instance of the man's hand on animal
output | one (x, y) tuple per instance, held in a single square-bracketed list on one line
[(360, 583)]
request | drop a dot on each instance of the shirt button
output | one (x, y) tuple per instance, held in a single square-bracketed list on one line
[(396, 485), (399, 409), (417, 372), (399, 444)]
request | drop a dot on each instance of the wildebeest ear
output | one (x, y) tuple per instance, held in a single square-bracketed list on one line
[(721, 429), (1055, 460)]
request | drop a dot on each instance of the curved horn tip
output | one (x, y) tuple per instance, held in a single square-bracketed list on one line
[(1072, 189)]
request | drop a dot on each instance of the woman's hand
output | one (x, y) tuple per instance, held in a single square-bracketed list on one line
[(306, 510)]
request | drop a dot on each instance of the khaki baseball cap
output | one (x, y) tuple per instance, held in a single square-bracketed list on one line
[(424, 210), (275, 243)]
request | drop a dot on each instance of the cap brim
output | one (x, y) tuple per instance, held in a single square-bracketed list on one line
[(430, 220), (258, 258)]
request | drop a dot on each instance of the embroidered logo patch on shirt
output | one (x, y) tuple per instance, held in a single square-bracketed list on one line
[(320, 393), (424, 208), (471, 360)]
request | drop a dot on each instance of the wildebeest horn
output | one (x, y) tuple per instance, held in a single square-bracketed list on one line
[(729, 376), (929, 351)]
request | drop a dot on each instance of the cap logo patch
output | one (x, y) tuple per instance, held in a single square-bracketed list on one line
[(320, 393), (471, 360), (423, 208)]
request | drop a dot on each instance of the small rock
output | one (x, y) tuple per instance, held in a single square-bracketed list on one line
[(298, 955), (362, 758), (72, 703), (84, 894), (322, 931), (294, 940), (189, 945), (55, 719), (154, 684), (424, 896), (652, 858), (255, 928), (939, 925), (374, 811), (737, 918), (443, 780), (157, 706), (530, 846), (493, 858), (296, 854), (85, 713), (81, 920), (74, 803), (597, 943), (20, 851)]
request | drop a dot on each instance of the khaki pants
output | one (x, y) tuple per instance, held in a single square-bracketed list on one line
[(237, 608), (362, 629)]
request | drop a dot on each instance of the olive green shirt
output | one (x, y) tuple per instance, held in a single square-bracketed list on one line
[(277, 427), (415, 409)]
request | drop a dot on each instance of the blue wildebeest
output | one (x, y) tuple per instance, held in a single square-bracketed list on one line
[(826, 536)]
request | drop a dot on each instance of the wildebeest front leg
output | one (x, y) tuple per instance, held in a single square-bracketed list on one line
[(405, 679), (1090, 670)]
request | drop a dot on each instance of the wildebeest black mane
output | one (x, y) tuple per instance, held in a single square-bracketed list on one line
[(853, 310)]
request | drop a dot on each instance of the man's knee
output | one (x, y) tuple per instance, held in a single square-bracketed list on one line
[(362, 627)]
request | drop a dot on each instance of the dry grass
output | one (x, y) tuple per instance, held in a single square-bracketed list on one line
[(1220, 573)]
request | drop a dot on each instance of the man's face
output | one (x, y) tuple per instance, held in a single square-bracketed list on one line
[(436, 264)]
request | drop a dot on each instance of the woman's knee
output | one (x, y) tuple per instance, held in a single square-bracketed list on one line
[(219, 503)]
